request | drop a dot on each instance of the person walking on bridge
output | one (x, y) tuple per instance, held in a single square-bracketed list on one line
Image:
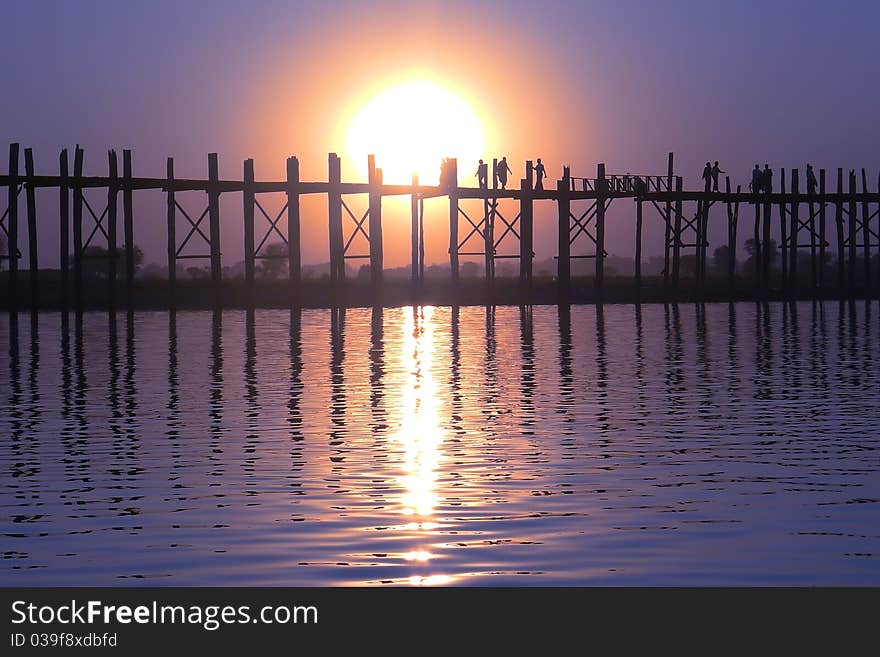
[(502, 171), (767, 179), (757, 180), (707, 175), (812, 183), (482, 175), (715, 171), (540, 174)]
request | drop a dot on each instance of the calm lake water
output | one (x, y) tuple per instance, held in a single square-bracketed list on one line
[(654, 445)]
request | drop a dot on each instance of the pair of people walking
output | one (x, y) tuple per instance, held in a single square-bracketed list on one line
[(502, 170), (710, 176)]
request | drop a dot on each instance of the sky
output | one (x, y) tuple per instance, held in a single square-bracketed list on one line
[(572, 82)]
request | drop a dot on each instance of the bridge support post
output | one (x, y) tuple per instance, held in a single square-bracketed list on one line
[(414, 231), (526, 222), (601, 195), (638, 254), (112, 250), (31, 200), (784, 242), (676, 244), (375, 210), (795, 228), (294, 254), (214, 218), (171, 227), (563, 250), (866, 233), (128, 223), (838, 219), (667, 220), (820, 281), (334, 212), (452, 191), (12, 225), (248, 199), (64, 227), (77, 226), (852, 232)]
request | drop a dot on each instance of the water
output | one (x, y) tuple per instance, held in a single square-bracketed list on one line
[(718, 444)]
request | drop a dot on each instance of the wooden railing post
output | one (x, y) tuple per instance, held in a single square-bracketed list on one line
[(214, 218), (248, 215)]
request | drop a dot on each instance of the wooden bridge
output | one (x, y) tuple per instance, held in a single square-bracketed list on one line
[(802, 217)]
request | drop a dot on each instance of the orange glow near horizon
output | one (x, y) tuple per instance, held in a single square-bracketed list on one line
[(410, 127)]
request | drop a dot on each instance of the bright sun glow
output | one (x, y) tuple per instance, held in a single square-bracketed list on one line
[(411, 128)]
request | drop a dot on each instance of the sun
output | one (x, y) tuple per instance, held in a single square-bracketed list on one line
[(411, 127)]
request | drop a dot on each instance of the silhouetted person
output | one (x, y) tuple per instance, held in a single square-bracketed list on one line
[(482, 175), (540, 174), (767, 179), (757, 180), (639, 186), (812, 183), (502, 172), (707, 175), (715, 171)]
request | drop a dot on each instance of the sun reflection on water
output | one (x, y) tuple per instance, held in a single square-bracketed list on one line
[(421, 437)]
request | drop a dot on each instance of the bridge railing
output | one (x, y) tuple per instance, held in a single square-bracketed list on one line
[(628, 183)]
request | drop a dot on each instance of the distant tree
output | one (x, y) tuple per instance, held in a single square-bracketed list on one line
[(470, 270), (275, 260), (197, 272), (96, 263), (721, 258), (688, 265), (752, 251)]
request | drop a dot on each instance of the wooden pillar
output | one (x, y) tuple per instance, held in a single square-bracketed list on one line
[(668, 219), (171, 226), (214, 218), (294, 249), (64, 225), (838, 217), (759, 258), (526, 223), (489, 205), (128, 221), (822, 238), (77, 224), (12, 225), (676, 238), (452, 190), (414, 230), (766, 252), (601, 195), (852, 232), (31, 199), (334, 215), (795, 226), (112, 251), (421, 240), (248, 199), (783, 230), (732, 220), (375, 221), (563, 250), (866, 233), (638, 255), (811, 209)]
